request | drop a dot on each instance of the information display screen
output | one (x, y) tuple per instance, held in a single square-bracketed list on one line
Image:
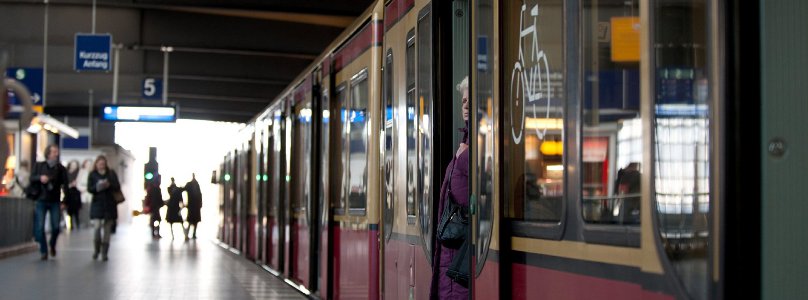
[(131, 113)]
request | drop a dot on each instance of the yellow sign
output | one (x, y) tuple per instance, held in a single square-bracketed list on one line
[(625, 39)]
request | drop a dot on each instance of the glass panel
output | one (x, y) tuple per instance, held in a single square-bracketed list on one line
[(389, 133), (534, 110), (342, 103), (324, 155), (301, 166), (412, 135), (424, 114), (681, 131), (611, 156), (357, 149), (483, 110), (275, 161)]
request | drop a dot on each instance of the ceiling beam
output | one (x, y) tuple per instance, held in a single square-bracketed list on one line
[(216, 98), (314, 19), (304, 56), (189, 77)]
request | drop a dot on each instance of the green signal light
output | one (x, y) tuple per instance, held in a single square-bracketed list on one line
[(266, 178), (257, 177), (149, 176), (226, 177)]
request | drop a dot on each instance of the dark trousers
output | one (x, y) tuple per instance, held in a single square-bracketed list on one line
[(42, 208), (74, 220)]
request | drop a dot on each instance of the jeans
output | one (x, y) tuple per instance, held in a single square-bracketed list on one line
[(43, 208)]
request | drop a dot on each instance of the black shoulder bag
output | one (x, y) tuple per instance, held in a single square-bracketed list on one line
[(454, 220), (34, 188)]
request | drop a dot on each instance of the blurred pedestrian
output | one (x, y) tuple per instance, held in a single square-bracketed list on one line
[(73, 197), (50, 180), (194, 205), (173, 207), (154, 201), (102, 183), (20, 182)]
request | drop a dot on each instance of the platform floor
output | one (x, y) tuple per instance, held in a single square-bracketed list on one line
[(138, 268)]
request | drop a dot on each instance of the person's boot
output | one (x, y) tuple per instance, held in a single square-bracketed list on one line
[(104, 251), (97, 247)]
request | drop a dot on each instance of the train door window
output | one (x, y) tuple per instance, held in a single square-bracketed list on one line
[(483, 119), (341, 181), (301, 166), (534, 112), (275, 164), (324, 155), (388, 189), (412, 135), (611, 153), (682, 139), (358, 144), (424, 130)]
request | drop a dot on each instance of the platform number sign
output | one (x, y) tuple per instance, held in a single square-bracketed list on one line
[(152, 88)]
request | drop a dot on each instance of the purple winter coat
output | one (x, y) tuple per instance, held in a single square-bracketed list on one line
[(442, 287)]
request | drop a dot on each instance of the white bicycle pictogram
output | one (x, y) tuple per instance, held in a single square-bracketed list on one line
[(533, 83)]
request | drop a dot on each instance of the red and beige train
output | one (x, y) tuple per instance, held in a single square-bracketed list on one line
[(596, 152)]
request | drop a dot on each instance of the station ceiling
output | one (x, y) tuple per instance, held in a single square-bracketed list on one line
[(229, 58)]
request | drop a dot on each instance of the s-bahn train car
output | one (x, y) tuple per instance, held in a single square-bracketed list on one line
[(597, 142)]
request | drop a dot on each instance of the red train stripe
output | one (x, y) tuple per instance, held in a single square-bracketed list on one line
[(370, 35), (395, 10)]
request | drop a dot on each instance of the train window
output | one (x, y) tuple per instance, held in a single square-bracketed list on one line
[(534, 111), (342, 104), (611, 152), (357, 121), (411, 133), (275, 164), (388, 189), (682, 140), (301, 146), (423, 111), (324, 156)]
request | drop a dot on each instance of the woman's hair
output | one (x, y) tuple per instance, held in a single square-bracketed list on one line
[(463, 84), (86, 164), (100, 158), (73, 164)]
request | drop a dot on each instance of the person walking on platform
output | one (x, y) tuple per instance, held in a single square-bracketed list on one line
[(154, 200), (73, 197), (102, 183), (194, 205), (173, 207), (49, 179)]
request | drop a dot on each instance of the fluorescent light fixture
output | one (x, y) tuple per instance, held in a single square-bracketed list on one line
[(43, 121), (544, 123), (123, 113), (555, 168)]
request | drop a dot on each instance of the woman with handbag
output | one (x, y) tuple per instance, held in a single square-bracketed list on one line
[(449, 267), (103, 184)]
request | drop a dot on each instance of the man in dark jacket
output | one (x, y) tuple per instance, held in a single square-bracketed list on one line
[(51, 179)]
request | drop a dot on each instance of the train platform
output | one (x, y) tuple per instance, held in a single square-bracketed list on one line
[(138, 268)]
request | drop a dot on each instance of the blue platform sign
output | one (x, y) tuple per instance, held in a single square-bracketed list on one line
[(31, 78), (152, 88), (93, 52)]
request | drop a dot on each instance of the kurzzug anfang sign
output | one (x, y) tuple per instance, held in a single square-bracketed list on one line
[(93, 52)]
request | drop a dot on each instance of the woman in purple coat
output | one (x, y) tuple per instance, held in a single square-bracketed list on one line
[(456, 182)]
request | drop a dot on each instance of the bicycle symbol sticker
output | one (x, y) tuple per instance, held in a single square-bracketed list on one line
[(530, 86)]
